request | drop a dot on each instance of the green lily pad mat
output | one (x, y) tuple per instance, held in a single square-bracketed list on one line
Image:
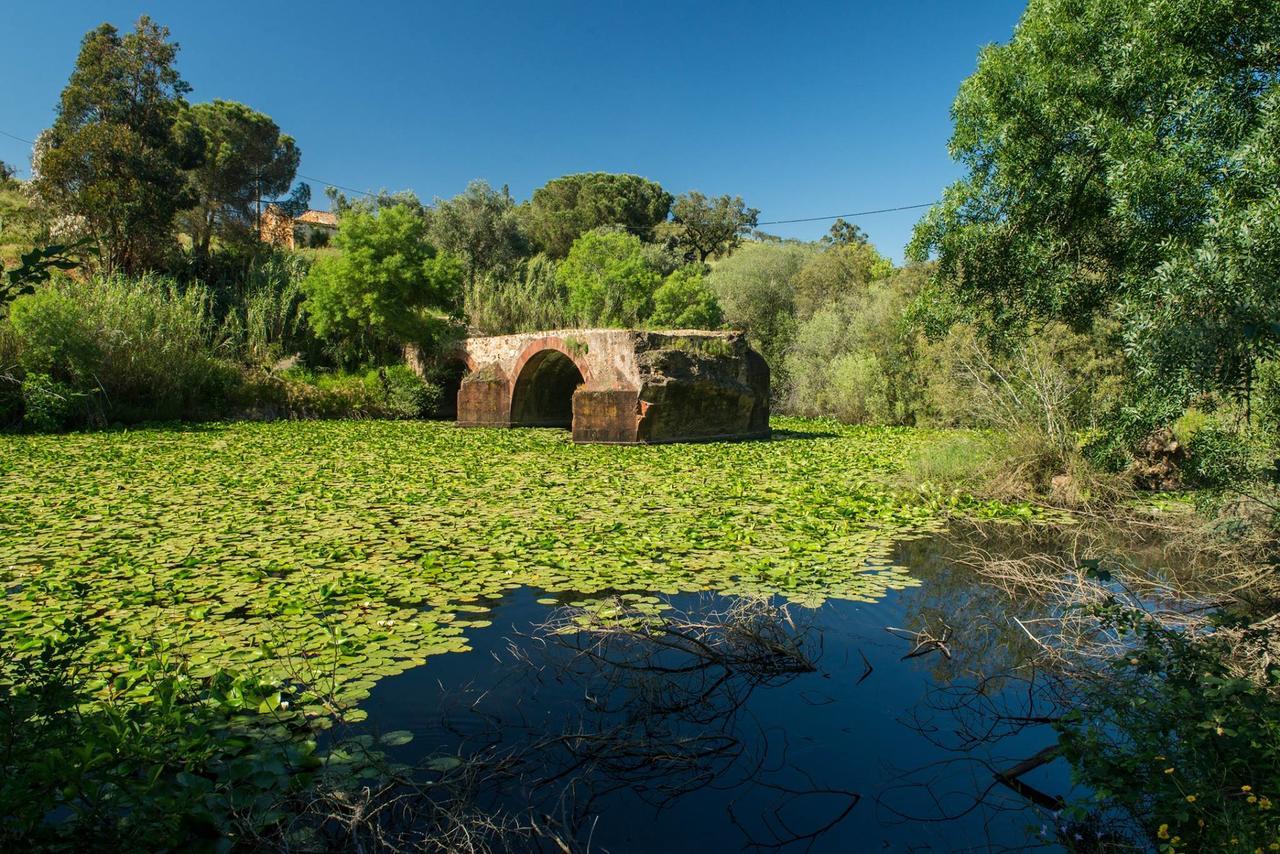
[(351, 550)]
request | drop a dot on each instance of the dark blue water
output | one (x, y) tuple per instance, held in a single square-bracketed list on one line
[(868, 752)]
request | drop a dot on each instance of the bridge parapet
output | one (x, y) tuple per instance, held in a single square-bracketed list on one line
[(618, 386)]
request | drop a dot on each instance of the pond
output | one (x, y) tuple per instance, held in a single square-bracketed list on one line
[(636, 748), (387, 577)]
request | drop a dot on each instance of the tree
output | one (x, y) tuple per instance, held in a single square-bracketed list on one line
[(607, 279), (340, 203), (702, 227), (116, 152), (840, 270), (686, 301), (245, 160), (1121, 159), (387, 285), (568, 207), (843, 233), (480, 226), (755, 286), (6, 173)]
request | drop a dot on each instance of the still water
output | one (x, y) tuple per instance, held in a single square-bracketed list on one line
[(640, 747)]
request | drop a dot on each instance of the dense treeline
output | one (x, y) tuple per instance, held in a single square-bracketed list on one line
[(1103, 322)]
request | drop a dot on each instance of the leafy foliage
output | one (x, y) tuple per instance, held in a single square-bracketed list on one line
[(387, 285), (130, 349), (1121, 158), (1192, 751), (701, 227), (116, 153), (755, 287), (685, 301), (480, 226), (564, 209), (607, 280), (245, 160)]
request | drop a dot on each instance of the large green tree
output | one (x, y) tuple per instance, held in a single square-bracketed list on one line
[(246, 159), (686, 301), (701, 227), (563, 209), (756, 288), (1121, 158), (607, 279), (117, 151), (479, 225), (386, 286)]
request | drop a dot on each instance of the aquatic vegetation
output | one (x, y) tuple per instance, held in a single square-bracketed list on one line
[(361, 548)]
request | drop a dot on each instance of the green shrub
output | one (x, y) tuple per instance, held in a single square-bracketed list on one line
[(10, 378), (400, 393), (684, 301), (1218, 457), (48, 405), (856, 358), (142, 348), (1178, 739), (525, 297)]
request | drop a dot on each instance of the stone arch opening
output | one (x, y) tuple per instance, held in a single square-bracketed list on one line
[(543, 392), (450, 378)]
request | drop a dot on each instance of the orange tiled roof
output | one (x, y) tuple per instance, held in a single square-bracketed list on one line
[(327, 219)]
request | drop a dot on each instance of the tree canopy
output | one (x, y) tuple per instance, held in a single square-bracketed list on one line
[(387, 285), (245, 159), (607, 279), (116, 152), (1121, 159), (567, 207), (480, 226), (701, 227)]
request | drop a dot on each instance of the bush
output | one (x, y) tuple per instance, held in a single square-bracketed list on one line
[(388, 286), (856, 357), (1218, 457), (686, 302), (401, 393), (135, 349), (1178, 739), (523, 298), (10, 378), (754, 287), (388, 392), (607, 279), (48, 405)]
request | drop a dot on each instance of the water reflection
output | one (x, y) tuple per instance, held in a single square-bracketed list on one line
[(726, 724)]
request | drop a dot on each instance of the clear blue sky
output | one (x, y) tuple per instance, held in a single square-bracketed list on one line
[(804, 109)]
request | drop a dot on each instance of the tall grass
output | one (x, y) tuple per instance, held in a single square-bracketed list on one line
[(133, 348)]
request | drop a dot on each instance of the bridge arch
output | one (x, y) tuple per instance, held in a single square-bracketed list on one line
[(545, 376)]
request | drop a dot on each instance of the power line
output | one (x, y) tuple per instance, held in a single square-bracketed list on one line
[(766, 222), (845, 216), (18, 138), (339, 186)]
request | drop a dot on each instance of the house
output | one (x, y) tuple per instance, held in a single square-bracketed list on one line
[(310, 228)]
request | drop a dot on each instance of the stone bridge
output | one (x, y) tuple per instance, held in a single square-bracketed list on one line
[(618, 386)]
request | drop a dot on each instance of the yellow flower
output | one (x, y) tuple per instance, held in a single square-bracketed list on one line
[(1253, 799), (1274, 846), (1163, 832), (1191, 799), (1168, 770), (1246, 788)]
